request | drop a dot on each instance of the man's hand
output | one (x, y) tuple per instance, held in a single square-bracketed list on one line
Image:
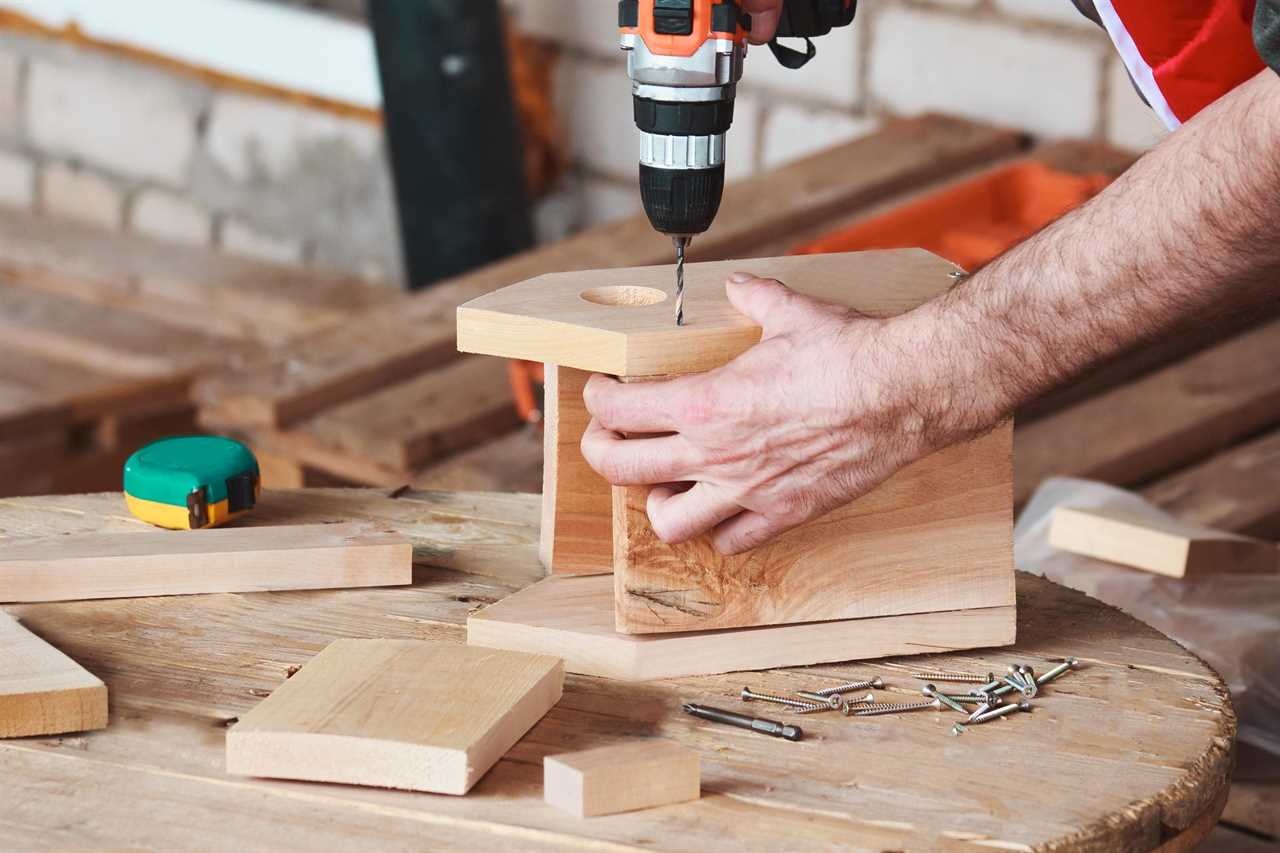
[(813, 416), (764, 18)]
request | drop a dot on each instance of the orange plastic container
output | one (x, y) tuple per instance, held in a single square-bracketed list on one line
[(975, 220)]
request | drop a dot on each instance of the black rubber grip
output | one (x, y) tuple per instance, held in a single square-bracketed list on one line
[(681, 201), (683, 118)]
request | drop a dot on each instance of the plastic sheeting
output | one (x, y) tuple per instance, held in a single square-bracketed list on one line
[(1232, 621)]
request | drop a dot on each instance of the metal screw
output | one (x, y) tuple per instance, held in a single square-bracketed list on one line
[(933, 693), (1015, 683), (967, 699), (1002, 711), (959, 677), (1029, 678), (896, 709), (815, 709), (957, 729), (876, 682), (748, 695), (1069, 663), (992, 684), (984, 708), (830, 702), (848, 707)]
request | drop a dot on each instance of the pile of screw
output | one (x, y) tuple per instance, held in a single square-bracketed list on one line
[(987, 696)]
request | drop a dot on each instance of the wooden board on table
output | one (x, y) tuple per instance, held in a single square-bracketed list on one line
[(411, 423), (624, 777), (572, 618), (227, 559), (1204, 403), (1163, 547), (620, 321), (577, 503), (42, 691), (409, 714)]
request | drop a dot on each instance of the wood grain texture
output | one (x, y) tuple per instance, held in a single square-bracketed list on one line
[(228, 559), (563, 318), (577, 503), (42, 691), (1237, 489), (621, 778), (154, 779), (430, 416), (1173, 549), (1205, 403), (938, 535), (570, 617), (409, 714)]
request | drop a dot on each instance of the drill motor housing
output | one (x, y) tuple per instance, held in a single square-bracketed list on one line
[(685, 58)]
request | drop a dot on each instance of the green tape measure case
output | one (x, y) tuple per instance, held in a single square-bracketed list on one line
[(191, 481)]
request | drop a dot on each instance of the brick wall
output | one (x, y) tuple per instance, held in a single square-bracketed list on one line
[(130, 145), (1032, 64), (94, 136)]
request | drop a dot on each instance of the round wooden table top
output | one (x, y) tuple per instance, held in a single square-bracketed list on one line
[(1129, 752)]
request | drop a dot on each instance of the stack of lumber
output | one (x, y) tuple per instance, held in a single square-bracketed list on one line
[(363, 404), (102, 336)]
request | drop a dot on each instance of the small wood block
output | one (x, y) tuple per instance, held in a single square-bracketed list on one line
[(408, 714), (228, 559), (621, 778), (1163, 547), (572, 618), (577, 508), (42, 691)]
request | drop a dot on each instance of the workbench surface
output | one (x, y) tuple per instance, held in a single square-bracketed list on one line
[(1130, 752)]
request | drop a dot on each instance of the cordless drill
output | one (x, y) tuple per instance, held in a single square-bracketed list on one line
[(685, 59)]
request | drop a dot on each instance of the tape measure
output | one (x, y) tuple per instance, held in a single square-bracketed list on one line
[(192, 481)]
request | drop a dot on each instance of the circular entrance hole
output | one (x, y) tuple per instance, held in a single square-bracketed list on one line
[(624, 295)]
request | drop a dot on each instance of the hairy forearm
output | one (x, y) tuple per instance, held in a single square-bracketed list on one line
[(1190, 234)]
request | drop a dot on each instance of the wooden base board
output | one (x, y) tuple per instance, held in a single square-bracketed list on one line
[(42, 691), (572, 618)]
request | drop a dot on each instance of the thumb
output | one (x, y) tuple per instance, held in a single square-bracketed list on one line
[(769, 302)]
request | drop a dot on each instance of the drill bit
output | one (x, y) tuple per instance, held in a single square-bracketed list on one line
[(681, 243)]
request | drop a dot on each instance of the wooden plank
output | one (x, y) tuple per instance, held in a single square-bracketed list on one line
[(93, 337), (36, 451), (1237, 489), (1255, 806), (411, 423), (1205, 403), (625, 777), (620, 321), (88, 392), (571, 618), (368, 352), (935, 536), (42, 691), (1163, 547), (193, 287), (512, 463), (230, 559), (389, 344), (1158, 763), (23, 411), (130, 430), (409, 714), (577, 503)]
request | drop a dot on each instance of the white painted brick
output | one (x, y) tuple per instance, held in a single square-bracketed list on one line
[(594, 101), (17, 180), (832, 75), (740, 156), (166, 216), (1042, 82), (78, 194), (10, 102), (793, 132), (1130, 122), (255, 139), (602, 201), (589, 25), (1057, 11), (137, 123), (241, 238)]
